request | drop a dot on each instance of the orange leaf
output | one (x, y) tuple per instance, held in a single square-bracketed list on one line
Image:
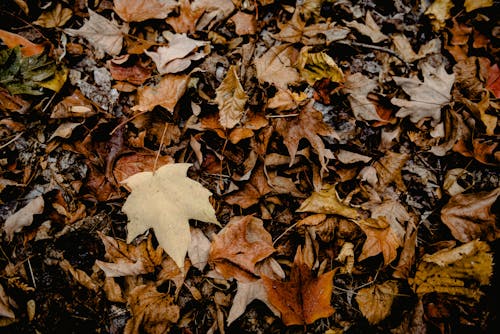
[(27, 48), (493, 82), (304, 298), (381, 238), (188, 16), (252, 191)]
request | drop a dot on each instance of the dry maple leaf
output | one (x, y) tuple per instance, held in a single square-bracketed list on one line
[(427, 97), (318, 66), (238, 247), (276, 66), (304, 298), (256, 188), (189, 14), (375, 302), (358, 87), (370, 29), (165, 201), (141, 10), (57, 17), (103, 34), (152, 311), (470, 216), (327, 201), (231, 99), (439, 12), (389, 170), (309, 125), (166, 93), (380, 238)]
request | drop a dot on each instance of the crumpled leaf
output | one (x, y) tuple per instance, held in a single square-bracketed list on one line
[(327, 201), (309, 125), (166, 93), (471, 5), (439, 12), (238, 247), (317, 66), (103, 34), (380, 238), (189, 14), (142, 10), (57, 17), (231, 99), (370, 28), (470, 216), (375, 301), (79, 276), (304, 298), (23, 217), (276, 66), (245, 294), (458, 271), (427, 97), (178, 55), (165, 201), (152, 312), (358, 86), (129, 260), (389, 170)]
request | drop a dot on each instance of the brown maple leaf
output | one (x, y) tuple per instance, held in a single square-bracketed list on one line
[(252, 191), (381, 238), (188, 16), (238, 247), (309, 125), (304, 298)]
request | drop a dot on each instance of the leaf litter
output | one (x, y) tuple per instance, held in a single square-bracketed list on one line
[(249, 166)]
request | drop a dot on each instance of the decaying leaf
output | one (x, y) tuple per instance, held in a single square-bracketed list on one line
[(166, 93), (380, 238), (458, 271), (304, 298), (317, 66), (389, 170), (231, 99), (238, 247), (57, 17), (152, 311), (470, 216), (439, 12), (375, 301), (23, 217), (165, 201), (327, 201), (471, 5), (256, 188), (276, 66), (142, 10), (103, 34)]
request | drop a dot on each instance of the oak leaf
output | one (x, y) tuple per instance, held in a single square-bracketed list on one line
[(471, 216), (103, 34), (380, 238), (276, 66), (231, 99), (327, 201), (238, 247), (375, 302), (166, 93), (141, 10), (309, 125), (304, 298), (165, 201)]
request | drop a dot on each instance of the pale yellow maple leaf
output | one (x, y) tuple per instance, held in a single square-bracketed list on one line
[(375, 302), (327, 201), (231, 98), (317, 66), (165, 201)]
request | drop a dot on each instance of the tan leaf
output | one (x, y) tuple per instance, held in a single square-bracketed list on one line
[(130, 164), (199, 249), (142, 10), (358, 86), (380, 238), (389, 170), (5, 309), (327, 201), (239, 246), (375, 301), (318, 66), (165, 201), (74, 105), (231, 99), (427, 97), (276, 66), (24, 217), (252, 191), (470, 216), (135, 73), (57, 17), (292, 30), (189, 14), (471, 5), (166, 93), (309, 125), (370, 28), (103, 34), (439, 12), (246, 24), (79, 276), (456, 271), (304, 298), (152, 311)]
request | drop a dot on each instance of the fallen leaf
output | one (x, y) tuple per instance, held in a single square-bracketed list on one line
[(375, 302), (231, 99), (253, 190), (358, 86), (471, 5), (470, 216), (130, 164), (309, 125), (65, 130), (142, 10), (56, 17), (304, 298), (151, 311), (238, 247), (370, 28), (245, 23), (79, 276), (318, 66), (439, 12), (427, 97), (199, 249), (5, 309), (23, 217), (110, 42), (28, 48), (245, 294), (165, 201), (276, 66), (189, 14), (327, 201), (135, 73), (380, 238), (493, 82), (459, 271), (389, 170), (74, 105), (166, 93)]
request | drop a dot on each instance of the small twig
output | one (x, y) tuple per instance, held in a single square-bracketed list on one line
[(159, 148), (12, 140), (284, 232), (374, 47), (281, 116), (126, 121), (31, 273)]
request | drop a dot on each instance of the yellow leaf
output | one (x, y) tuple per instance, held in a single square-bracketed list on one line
[(471, 5), (327, 201), (57, 82), (57, 17), (165, 201), (439, 12), (317, 66), (375, 302), (231, 98)]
